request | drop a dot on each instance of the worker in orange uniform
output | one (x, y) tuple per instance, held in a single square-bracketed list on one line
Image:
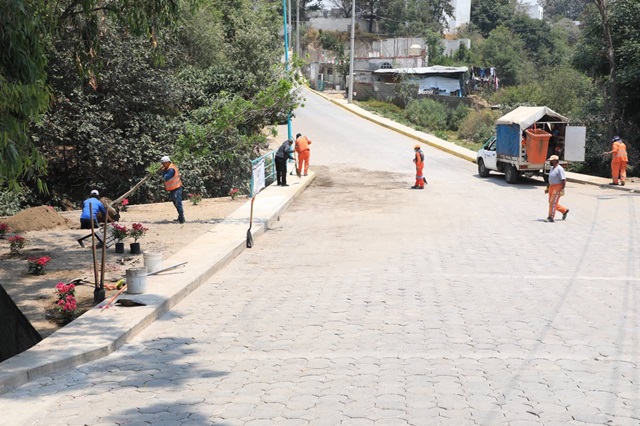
[(302, 149), (557, 182), (619, 161), (173, 184), (418, 159)]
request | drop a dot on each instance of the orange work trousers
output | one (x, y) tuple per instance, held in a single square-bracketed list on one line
[(554, 198), (303, 159), (419, 177), (619, 171)]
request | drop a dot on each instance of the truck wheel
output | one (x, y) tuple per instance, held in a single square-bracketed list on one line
[(511, 174), (482, 169)]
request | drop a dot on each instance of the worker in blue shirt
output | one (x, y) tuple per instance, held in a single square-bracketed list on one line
[(90, 207)]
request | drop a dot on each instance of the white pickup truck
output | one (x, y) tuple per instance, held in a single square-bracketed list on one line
[(525, 138)]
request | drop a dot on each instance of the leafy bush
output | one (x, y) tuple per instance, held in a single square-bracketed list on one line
[(456, 116), (514, 96), (427, 113), (10, 201), (478, 125)]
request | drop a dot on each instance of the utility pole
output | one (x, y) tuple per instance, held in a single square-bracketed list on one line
[(289, 20), (298, 28), (353, 38), (286, 59)]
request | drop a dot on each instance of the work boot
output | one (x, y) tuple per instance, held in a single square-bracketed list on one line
[(622, 183), (549, 219), (181, 220), (613, 183), (564, 215), (285, 184), (415, 187)]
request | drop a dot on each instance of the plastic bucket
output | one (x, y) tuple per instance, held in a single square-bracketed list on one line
[(153, 261), (136, 280)]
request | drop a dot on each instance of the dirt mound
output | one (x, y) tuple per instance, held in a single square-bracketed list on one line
[(36, 219)]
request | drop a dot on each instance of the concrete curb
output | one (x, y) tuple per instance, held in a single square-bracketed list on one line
[(451, 148), (99, 332)]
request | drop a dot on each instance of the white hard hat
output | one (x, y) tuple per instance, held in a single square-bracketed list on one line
[(165, 159), (95, 192)]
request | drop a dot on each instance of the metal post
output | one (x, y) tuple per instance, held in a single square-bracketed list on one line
[(298, 28), (286, 59), (289, 20), (353, 37)]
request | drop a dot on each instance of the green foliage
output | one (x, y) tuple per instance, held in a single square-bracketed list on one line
[(24, 95), (456, 116), (506, 52), (427, 113), (478, 125), (487, 15), (567, 90), (334, 41), (415, 17), (568, 9), (514, 96), (11, 200), (537, 38), (202, 96)]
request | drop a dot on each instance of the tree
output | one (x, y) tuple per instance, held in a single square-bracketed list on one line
[(202, 95), (345, 6), (25, 28), (558, 9), (24, 95), (414, 17), (489, 14), (506, 52)]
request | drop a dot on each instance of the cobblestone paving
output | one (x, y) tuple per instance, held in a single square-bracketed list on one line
[(369, 304)]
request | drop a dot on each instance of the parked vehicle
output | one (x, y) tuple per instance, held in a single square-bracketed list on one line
[(525, 138)]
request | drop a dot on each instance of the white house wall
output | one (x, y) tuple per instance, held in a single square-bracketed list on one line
[(461, 15), (339, 24)]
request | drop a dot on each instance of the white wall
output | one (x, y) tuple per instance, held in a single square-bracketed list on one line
[(461, 15)]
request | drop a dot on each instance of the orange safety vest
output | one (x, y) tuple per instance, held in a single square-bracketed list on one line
[(419, 160), (302, 144), (620, 154), (174, 182)]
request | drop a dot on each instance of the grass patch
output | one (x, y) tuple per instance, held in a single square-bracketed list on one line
[(397, 114)]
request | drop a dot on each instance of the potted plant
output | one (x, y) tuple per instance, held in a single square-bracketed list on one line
[(17, 243), (119, 232), (136, 232)]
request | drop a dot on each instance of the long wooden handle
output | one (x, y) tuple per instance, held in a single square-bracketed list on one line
[(133, 189), (124, 287), (104, 253)]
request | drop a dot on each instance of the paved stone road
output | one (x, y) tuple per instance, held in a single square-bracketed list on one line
[(373, 304)]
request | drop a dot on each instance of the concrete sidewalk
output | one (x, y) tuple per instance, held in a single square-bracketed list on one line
[(99, 332), (458, 151)]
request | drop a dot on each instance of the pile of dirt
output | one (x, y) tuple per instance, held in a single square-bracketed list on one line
[(36, 219)]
